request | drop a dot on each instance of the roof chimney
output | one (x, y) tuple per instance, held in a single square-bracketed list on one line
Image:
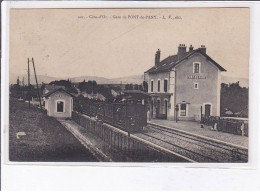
[(191, 48), (181, 50), (157, 57), (203, 49)]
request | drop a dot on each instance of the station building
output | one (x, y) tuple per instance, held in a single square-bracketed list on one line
[(186, 85)]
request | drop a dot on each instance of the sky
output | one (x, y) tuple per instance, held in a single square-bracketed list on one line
[(97, 42)]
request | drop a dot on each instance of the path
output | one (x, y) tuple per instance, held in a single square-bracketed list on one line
[(195, 127)]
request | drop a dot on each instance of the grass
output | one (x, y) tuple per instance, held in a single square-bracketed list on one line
[(46, 139)]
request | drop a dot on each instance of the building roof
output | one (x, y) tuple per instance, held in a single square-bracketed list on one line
[(57, 90), (172, 61), (136, 92)]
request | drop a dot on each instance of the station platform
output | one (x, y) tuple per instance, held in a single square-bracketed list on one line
[(195, 128)]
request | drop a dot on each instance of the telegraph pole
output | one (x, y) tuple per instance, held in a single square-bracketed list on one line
[(23, 88), (29, 92), (37, 84)]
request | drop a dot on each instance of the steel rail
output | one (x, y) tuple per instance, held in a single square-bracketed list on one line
[(200, 140)]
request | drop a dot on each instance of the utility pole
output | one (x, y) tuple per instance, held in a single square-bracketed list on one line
[(18, 85), (29, 92), (37, 84), (23, 88)]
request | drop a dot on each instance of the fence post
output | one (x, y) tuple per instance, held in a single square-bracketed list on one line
[(121, 142), (110, 137), (242, 128), (128, 145), (118, 140), (105, 134), (125, 145), (101, 132), (133, 149)]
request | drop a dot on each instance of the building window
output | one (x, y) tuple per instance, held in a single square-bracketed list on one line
[(159, 84), (60, 106), (165, 85), (196, 86), (196, 67), (183, 110), (151, 86)]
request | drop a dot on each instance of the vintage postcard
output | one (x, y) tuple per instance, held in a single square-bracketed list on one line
[(161, 85)]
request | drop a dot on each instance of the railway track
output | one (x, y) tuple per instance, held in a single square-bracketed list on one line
[(195, 147), (167, 155)]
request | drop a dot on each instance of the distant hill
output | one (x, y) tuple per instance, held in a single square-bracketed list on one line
[(134, 79), (99, 80), (40, 79)]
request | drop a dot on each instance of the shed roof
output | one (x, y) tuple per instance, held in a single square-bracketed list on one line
[(136, 94), (172, 61), (57, 90)]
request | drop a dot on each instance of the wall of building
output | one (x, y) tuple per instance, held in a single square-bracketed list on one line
[(162, 76), (171, 110), (52, 104), (161, 95), (207, 92)]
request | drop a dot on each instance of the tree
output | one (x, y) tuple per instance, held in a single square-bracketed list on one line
[(65, 83), (94, 87), (145, 86), (82, 85), (140, 87), (101, 89), (43, 86), (127, 87), (131, 87), (234, 98)]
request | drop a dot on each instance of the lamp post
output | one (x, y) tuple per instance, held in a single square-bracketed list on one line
[(176, 111)]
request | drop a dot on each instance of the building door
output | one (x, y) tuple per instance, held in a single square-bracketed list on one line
[(207, 110), (166, 107), (158, 108), (152, 107)]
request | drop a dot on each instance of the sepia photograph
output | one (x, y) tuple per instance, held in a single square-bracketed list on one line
[(150, 85)]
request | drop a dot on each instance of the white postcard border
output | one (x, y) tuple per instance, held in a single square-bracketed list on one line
[(9, 168)]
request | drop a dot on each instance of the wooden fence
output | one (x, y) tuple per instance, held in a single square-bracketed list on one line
[(131, 148)]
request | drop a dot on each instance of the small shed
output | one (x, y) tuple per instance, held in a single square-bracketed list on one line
[(58, 103)]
